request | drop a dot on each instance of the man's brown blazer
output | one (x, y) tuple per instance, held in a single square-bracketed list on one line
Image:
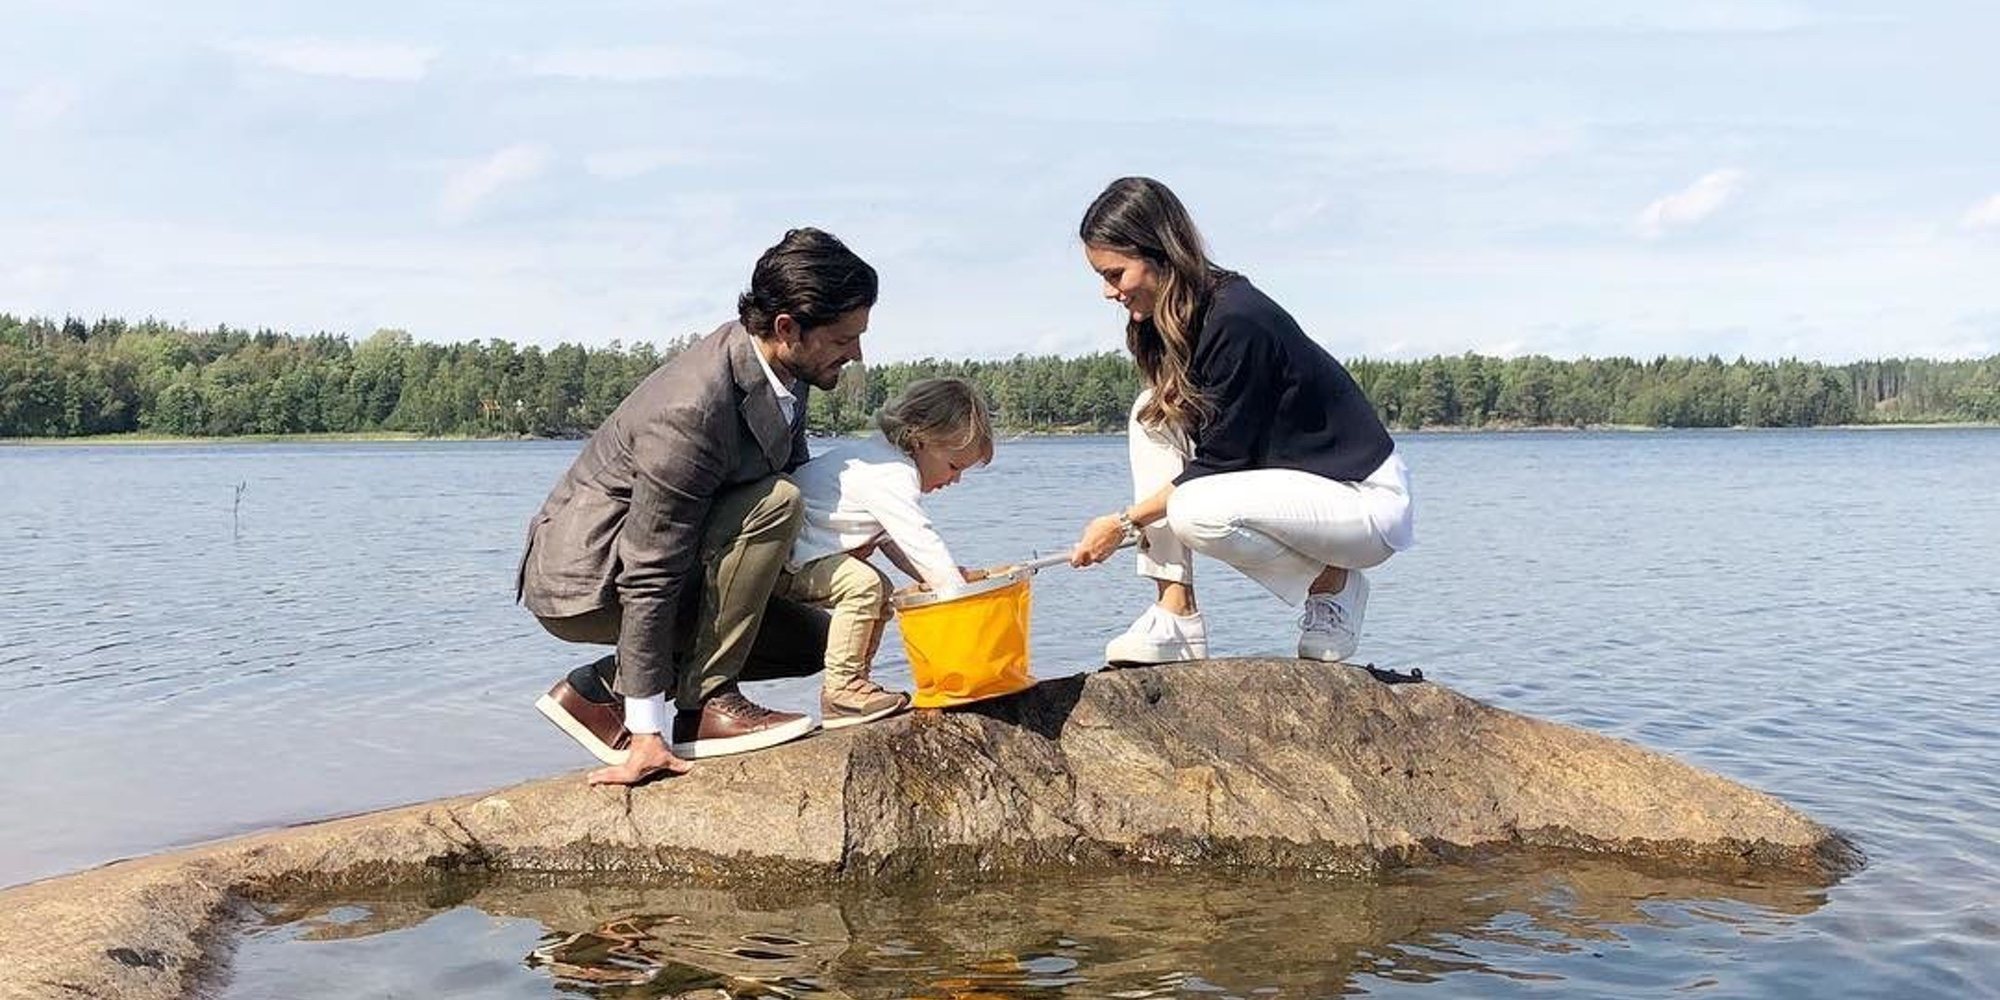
[(623, 526)]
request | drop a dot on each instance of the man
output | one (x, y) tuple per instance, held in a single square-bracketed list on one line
[(667, 534)]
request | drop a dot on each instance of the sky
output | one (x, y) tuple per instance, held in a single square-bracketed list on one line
[(1767, 179)]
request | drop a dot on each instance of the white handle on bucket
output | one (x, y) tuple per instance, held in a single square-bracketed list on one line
[(1002, 576), (1060, 559)]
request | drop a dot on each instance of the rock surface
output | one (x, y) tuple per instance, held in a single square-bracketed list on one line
[(1267, 763)]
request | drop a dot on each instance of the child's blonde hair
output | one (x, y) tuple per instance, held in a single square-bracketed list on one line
[(945, 411)]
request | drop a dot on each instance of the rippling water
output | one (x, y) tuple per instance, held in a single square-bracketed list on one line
[(1515, 926), (1814, 613)]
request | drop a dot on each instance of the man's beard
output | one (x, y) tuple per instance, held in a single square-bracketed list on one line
[(825, 380)]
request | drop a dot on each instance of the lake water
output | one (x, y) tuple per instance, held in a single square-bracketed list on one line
[(1814, 613)]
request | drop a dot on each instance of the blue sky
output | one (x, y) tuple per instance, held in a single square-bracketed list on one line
[(1763, 178)]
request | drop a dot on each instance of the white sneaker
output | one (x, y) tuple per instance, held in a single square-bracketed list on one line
[(1160, 636), (1330, 624)]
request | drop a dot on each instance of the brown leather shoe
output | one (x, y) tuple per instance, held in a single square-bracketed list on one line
[(730, 723), (857, 701), (584, 706)]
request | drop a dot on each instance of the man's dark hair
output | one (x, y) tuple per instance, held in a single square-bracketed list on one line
[(809, 274)]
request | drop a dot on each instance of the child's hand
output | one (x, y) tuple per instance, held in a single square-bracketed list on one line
[(972, 575)]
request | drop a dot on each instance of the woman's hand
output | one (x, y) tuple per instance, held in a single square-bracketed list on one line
[(1101, 537)]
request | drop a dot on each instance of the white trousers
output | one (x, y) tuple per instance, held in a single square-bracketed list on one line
[(1279, 527)]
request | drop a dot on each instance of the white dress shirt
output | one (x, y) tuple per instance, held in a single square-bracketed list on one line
[(788, 402)]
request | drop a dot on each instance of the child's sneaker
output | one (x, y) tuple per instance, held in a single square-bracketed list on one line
[(857, 701), (1160, 636), (1330, 624)]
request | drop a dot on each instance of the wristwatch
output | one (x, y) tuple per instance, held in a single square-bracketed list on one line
[(1125, 522)]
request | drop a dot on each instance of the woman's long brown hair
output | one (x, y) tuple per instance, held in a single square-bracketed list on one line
[(1140, 217)]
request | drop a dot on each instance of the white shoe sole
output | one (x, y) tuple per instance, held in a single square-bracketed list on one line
[(833, 722), (554, 713), (1327, 654), (759, 740), (1140, 655)]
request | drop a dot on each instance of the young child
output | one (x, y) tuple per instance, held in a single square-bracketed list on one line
[(865, 497)]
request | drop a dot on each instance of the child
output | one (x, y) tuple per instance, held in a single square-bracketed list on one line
[(866, 496)]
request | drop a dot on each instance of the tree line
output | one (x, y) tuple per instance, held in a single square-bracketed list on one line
[(70, 378)]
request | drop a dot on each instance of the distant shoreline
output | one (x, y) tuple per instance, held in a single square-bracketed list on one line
[(373, 437), (99, 440)]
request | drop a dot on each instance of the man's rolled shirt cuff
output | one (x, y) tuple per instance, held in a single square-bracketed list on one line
[(646, 715)]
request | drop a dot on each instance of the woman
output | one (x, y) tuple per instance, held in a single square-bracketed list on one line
[(1249, 443)]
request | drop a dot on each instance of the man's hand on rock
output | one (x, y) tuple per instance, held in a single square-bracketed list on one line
[(648, 758)]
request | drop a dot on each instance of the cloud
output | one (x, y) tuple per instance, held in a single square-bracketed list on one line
[(469, 187), (349, 60), (43, 104), (1297, 217), (33, 277), (642, 64), (1692, 204), (1708, 17), (620, 164), (1511, 348), (1985, 215)]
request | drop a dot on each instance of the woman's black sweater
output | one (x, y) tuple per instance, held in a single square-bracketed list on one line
[(1281, 401)]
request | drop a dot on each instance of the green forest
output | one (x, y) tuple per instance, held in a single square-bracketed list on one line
[(70, 378)]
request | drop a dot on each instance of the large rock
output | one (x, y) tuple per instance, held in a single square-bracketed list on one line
[(1270, 763)]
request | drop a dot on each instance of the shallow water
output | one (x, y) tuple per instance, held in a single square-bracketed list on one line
[(1512, 926), (1814, 613)]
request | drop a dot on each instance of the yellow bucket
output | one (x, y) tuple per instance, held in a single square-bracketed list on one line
[(970, 645)]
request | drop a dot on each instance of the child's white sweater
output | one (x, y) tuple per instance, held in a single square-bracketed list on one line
[(860, 492)]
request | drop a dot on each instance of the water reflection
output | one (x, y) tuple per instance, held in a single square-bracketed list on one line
[(1499, 926)]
